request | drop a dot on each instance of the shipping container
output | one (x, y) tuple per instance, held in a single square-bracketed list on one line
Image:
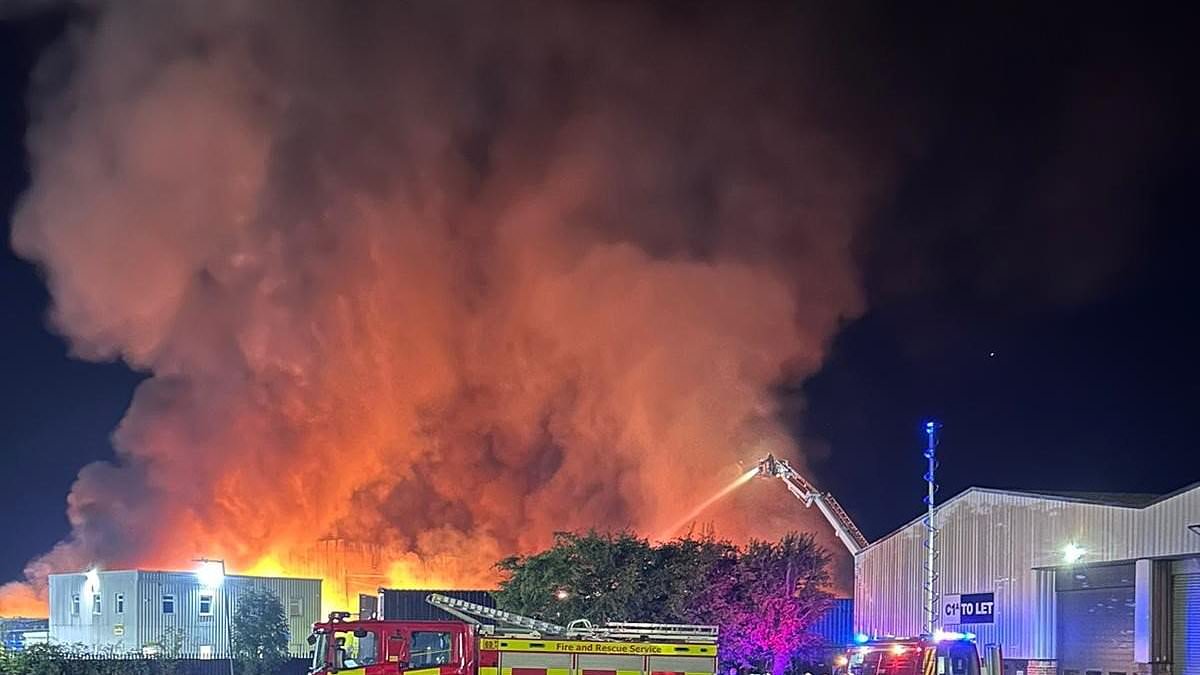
[(836, 627), (409, 605)]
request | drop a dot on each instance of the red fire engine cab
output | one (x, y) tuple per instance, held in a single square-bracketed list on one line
[(943, 653), (516, 645)]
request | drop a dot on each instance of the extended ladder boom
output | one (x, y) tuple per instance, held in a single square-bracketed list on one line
[(843, 526), (582, 629)]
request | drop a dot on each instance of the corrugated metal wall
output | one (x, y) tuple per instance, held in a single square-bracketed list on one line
[(103, 630), (144, 623), (301, 599), (837, 626), (410, 605), (992, 541)]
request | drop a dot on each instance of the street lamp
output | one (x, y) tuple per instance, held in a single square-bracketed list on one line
[(1072, 553), (211, 575), (91, 580)]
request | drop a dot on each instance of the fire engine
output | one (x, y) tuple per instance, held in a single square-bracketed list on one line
[(943, 653), (514, 645)]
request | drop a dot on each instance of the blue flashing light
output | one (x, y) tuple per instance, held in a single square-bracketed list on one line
[(861, 638)]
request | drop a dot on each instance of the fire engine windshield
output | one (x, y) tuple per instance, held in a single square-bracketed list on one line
[(887, 662)]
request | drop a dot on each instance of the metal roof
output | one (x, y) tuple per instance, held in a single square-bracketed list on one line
[(1125, 500), (139, 570), (1132, 500)]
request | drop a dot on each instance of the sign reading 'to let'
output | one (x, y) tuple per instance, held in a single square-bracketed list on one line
[(969, 608)]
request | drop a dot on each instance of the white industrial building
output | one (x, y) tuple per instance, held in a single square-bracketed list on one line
[(1078, 584), (189, 612)]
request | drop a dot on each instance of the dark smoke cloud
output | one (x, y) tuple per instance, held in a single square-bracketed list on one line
[(443, 277)]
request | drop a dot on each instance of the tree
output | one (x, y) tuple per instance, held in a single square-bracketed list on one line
[(170, 642), (779, 594), (693, 579), (599, 577), (765, 596), (260, 631)]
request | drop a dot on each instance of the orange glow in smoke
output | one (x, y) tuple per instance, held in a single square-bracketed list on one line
[(388, 340)]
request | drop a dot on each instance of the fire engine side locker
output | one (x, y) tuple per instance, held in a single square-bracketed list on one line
[(610, 664), (681, 665), (535, 663), (551, 657), (543, 663)]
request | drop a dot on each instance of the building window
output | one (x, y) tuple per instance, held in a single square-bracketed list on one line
[(168, 604), (429, 649), (75, 605), (296, 606), (96, 608), (119, 603), (206, 651), (206, 604)]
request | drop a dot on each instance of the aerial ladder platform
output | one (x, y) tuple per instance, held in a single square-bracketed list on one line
[(773, 467)]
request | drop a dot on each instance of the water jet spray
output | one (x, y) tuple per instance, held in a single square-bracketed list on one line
[(704, 505)]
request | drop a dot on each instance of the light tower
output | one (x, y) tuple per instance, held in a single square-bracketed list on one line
[(931, 531)]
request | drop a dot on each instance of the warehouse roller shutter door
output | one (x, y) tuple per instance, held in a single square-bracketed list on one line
[(1185, 623), (1095, 621)]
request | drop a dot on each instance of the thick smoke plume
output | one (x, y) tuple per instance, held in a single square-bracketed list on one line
[(417, 284)]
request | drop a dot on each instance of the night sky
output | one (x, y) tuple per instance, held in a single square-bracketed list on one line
[(1030, 278)]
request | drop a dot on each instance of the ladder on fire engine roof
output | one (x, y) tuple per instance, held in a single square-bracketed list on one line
[(582, 629)]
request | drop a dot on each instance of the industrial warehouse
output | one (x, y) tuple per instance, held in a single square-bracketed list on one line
[(150, 612), (1078, 583)]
